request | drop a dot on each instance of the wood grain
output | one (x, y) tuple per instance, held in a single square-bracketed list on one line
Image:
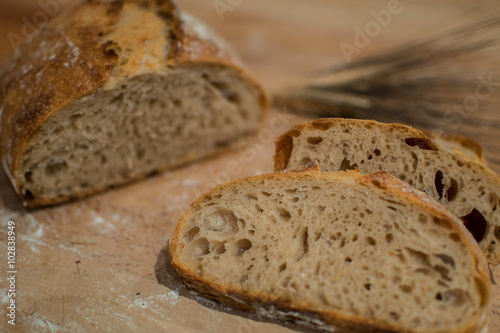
[(101, 263)]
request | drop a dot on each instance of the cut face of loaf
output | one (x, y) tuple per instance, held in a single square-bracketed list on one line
[(363, 253), (467, 188), (116, 91)]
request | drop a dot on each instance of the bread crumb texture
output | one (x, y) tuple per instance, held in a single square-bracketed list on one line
[(349, 250), (113, 92), (467, 188)]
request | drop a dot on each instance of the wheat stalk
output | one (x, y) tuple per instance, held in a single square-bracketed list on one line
[(428, 83)]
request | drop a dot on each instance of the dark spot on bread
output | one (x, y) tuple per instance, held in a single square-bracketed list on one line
[(496, 232), (476, 224), (28, 196), (243, 245), (346, 165), (321, 125), (294, 132), (452, 191), (446, 259), (314, 140), (438, 183), (421, 143)]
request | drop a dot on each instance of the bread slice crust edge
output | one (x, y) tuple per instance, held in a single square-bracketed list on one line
[(326, 319)]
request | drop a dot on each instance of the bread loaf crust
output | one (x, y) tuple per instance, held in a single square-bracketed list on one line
[(71, 58), (331, 320)]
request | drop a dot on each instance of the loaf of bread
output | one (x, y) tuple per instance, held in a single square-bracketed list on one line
[(468, 189), (114, 91), (334, 250)]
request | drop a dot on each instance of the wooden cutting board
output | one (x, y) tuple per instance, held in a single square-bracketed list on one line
[(102, 263)]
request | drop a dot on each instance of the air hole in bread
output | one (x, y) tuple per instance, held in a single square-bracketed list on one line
[(420, 143), (442, 223), (371, 241), (452, 191), (406, 288), (476, 224), (28, 176), (346, 165), (201, 247), (305, 241), (320, 125), (251, 196), (455, 237), (242, 246), (226, 91), (284, 214), (28, 195), (259, 209), (221, 220), (192, 233), (443, 271), (394, 315), (389, 238), (446, 259), (348, 259), (282, 267), (241, 223), (286, 281), (367, 286), (420, 258), (219, 247), (454, 297), (55, 167), (314, 140), (496, 232), (493, 198), (422, 270), (438, 183)]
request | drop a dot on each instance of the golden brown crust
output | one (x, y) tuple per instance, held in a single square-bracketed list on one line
[(72, 57), (52, 70), (349, 323)]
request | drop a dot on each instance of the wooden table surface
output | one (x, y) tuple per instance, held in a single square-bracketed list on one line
[(101, 263)]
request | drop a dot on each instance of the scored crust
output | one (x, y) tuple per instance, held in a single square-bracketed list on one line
[(73, 56), (330, 320)]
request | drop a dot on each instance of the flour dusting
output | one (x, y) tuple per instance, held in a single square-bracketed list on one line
[(4, 298), (33, 238), (101, 223), (38, 323)]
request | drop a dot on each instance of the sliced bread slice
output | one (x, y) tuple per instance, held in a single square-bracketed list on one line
[(468, 189), (334, 250)]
